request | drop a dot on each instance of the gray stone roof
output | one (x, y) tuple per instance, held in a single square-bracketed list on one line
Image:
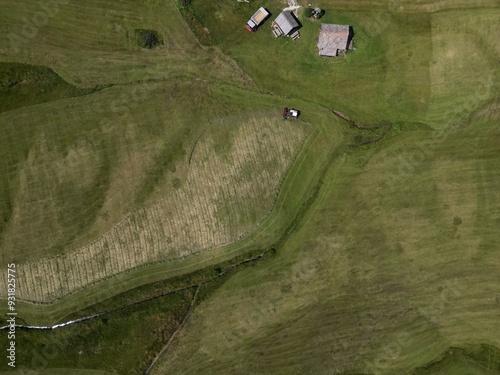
[(333, 39), (286, 22)]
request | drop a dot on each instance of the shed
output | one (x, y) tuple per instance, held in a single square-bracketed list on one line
[(285, 24), (334, 39)]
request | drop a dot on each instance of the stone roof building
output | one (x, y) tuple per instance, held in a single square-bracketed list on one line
[(334, 39)]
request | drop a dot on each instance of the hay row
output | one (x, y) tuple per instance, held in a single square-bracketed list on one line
[(209, 210)]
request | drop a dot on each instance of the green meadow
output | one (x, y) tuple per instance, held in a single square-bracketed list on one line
[(130, 170)]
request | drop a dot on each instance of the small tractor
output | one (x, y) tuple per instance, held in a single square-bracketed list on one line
[(287, 113)]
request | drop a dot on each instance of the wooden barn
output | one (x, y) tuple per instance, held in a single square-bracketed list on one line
[(286, 25)]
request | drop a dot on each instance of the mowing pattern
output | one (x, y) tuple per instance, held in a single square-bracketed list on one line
[(224, 195)]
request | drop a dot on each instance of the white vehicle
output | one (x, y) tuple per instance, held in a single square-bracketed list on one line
[(287, 113), (257, 19)]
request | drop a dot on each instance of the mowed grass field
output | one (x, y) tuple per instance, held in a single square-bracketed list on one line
[(137, 165), (397, 260), (383, 275), (160, 162), (90, 165), (231, 173)]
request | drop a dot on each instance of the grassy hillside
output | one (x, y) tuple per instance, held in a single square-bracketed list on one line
[(22, 85), (299, 183), (101, 48), (377, 278), (84, 184), (165, 170), (383, 64), (409, 64), (129, 170), (382, 273)]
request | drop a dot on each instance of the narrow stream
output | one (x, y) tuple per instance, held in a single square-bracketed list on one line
[(109, 311)]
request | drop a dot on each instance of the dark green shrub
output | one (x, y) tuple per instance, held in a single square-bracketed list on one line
[(147, 38)]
